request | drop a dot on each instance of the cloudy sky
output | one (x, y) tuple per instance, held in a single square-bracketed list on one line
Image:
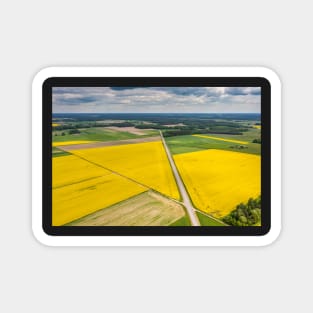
[(156, 100)]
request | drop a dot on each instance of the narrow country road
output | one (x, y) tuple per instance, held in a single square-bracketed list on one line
[(185, 196)]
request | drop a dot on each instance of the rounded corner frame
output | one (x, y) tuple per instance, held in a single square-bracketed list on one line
[(50, 240)]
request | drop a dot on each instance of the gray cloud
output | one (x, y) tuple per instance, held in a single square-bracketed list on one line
[(240, 91), (83, 99), (156, 99)]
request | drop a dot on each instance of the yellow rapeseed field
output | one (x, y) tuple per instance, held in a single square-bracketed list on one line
[(218, 180), (257, 126), (146, 163), (81, 188), (70, 143), (70, 169), (223, 139), (55, 124)]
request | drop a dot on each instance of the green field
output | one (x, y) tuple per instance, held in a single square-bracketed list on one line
[(189, 143), (93, 134), (184, 221), (57, 152), (207, 221), (249, 135)]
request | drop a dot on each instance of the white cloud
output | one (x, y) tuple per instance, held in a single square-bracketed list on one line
[(156, 99)]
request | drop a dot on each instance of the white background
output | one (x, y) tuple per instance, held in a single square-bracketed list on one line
[(37, 34)]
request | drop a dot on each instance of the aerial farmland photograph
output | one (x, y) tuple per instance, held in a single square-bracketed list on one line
[(156, 156)]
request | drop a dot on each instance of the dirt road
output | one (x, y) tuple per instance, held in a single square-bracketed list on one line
[(185, 196)]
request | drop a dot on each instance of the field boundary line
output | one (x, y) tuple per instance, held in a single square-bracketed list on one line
[(222, 139), (128, 178), (80, 181)]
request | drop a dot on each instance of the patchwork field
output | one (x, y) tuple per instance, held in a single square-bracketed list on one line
[(113, 169), (81, 188), (148, 209), (191, 143), (217, 180), (92, 134), (145, 163)]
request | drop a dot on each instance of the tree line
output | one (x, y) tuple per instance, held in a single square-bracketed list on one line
[(90, 125), (245, 214)]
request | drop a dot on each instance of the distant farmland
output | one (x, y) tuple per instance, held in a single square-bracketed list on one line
[(113, 170)]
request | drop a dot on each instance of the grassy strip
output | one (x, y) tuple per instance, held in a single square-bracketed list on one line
[(208, 221), (184, 221), (222, 139)]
